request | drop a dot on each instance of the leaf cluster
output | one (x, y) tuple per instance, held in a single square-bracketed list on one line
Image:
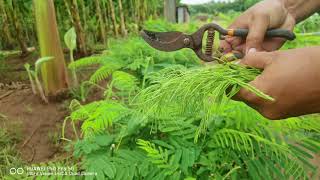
[(238, 143)]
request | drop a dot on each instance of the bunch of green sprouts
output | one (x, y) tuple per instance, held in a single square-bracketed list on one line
[(34, 77)]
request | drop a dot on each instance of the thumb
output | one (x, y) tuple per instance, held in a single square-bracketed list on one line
[(257, 30), (259, 60)]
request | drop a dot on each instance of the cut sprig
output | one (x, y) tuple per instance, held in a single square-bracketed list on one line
[(196, 89)]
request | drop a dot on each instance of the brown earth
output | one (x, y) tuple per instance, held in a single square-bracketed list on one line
[(40, 124)]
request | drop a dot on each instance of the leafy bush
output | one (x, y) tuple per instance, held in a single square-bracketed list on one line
[(222, 7), (238, 143), (312, 24), (182, 124), (135, 59), (162, 140)]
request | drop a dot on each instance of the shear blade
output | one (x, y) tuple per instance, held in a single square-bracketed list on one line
[(164, 41)]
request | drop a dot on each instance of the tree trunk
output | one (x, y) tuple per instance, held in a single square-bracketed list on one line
[(81, 45), (5, 27), (101, 22), (68, 10), (105, 13), (170, 10), (84, 14), (137, 12), (113, 18), (143, 9), (17, 26), (54, 73), (122, 21)]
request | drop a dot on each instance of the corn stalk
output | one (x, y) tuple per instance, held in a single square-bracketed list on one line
[(5, 26), (13, 16), (53, 73), (74, 10), (113, 18), (101, 22), (122, 21)]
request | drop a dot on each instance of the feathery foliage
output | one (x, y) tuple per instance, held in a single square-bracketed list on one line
[(195, 90), (182, 125), (239, 143)]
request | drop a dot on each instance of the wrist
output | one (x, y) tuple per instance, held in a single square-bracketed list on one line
[(301, 9)]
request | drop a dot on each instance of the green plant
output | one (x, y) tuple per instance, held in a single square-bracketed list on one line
[(9, 156), (133, 55), (182, 123), (239, 143), (33, 86), (131, 66), (3, 65), (35, 74), (70, 39), (178, 90)]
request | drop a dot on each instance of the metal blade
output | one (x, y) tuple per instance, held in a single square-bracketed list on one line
[(164, 41)]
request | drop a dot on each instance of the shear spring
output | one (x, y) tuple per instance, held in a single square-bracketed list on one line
[(210, 42)]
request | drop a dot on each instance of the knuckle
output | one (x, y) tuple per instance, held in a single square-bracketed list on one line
[(254, 38), (250, 58), (259, 15)]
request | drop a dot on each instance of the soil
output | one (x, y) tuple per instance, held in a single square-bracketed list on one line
[(39, 123)]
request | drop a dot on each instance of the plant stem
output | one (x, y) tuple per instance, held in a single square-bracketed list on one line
[(34, 91), (43, 97), (74, 73)]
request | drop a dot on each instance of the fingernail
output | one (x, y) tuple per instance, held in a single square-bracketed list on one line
[(251, 50)]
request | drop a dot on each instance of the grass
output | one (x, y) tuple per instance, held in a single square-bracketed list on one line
[(9, 155)]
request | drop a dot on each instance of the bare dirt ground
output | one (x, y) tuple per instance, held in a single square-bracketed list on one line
[(40, 124)]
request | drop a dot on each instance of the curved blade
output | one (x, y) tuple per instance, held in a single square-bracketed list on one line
[(164, 41)]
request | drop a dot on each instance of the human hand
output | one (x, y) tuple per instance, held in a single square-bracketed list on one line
[(291, 77), (258, 19)]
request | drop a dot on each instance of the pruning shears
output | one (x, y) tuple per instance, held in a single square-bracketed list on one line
[(173, 41)]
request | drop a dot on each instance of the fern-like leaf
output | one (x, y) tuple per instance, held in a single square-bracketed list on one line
[(85, 62), (98, 116), (105, 71)]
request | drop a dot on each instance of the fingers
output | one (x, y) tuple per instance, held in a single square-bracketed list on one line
[(259, 60), (233, 43), (257, 30), (248, 97)]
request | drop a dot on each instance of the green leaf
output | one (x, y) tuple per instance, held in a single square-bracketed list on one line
[(70, 38), (40, 62), (103, 140)]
